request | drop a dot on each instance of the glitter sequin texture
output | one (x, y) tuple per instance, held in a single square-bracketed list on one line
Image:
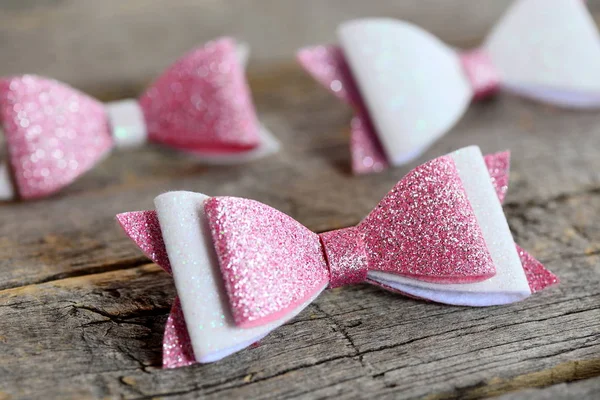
[(203, 103), (53, 132), (498, 167), (328, 66), (425, 228), (270, 263), (537, 276), (177, 346), (144, 229), (346, 257), (481, 73)]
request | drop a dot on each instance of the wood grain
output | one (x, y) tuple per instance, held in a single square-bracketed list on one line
[(82, 311), (82, 308)]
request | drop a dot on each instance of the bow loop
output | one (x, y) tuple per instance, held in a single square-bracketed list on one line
[(270, 263), (202, 103), (54, 133)]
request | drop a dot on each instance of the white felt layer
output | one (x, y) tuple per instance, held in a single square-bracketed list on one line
[(268, 145), (7, 191), (198, 279), (510, 283), (412, 84), (127, 122), (549, 49)]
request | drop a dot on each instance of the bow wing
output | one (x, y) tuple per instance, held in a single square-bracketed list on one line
[(548, 51), (412, 84), (515, 279), (430, 228), (509, 284), (202, 103), (54, 133), (200, 327), (213, 331)]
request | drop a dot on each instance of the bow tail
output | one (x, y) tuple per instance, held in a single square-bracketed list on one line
[(538, 276), (177, 345)]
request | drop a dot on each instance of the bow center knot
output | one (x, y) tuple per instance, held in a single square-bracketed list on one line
[(481, 72), (346, 257)]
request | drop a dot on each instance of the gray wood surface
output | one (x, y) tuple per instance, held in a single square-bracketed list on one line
[(82, 311)]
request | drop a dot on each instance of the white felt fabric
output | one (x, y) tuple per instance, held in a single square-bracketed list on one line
[(198, 279), (548, 50), (510, 283), (7, 191), (413, 85), (127, 122)]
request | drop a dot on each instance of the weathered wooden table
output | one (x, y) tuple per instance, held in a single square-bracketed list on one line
[(82, 311)]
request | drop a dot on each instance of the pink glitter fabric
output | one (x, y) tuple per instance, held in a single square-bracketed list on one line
[(537, 275), (346, 257), (425, 228), (484, 78), (270, 262), (203, 103), (53, 132), (328, 66), (177, 346), (144, 229), (498, 166)]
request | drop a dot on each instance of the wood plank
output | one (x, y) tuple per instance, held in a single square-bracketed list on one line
[(82, 312), (99, 336)]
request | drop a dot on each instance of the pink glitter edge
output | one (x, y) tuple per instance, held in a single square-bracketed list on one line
[(143, 229)]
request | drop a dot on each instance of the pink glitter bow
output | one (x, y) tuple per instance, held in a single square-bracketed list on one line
[(407, 88), (431, 237), (54, 133)]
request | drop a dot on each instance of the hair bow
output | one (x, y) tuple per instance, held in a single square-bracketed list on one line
[(407, 88), (242, 269), (201, 105)]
